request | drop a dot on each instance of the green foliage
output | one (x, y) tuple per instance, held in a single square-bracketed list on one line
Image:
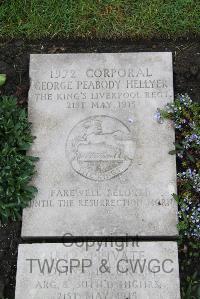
[(185, 117), (192, 289), (2, 79), (16, 168), (99, 19)]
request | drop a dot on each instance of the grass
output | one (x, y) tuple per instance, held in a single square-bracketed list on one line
[(99, 18)]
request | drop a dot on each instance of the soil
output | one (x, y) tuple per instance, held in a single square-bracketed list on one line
[(14, 61)]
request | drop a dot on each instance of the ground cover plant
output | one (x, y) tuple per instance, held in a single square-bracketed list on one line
[(16, 168), (99, 19), (185, 117)]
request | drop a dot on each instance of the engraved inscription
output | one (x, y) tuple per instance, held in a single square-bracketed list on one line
[(100, 147)]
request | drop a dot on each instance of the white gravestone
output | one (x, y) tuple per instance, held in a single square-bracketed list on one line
[(104, 166), (147, 270)]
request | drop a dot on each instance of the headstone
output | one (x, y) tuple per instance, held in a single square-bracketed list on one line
[(104, 166), (98, 271)]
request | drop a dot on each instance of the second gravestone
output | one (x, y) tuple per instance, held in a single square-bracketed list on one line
[(104, 166), (101, 270)]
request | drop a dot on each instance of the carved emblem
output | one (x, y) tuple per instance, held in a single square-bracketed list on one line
[(100, 147)]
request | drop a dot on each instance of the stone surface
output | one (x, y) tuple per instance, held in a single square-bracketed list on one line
[(98, 271), (104, 166)]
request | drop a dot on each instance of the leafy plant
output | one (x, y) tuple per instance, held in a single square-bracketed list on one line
[(192, 290), (184, 115), (16, 168), (2, 79)]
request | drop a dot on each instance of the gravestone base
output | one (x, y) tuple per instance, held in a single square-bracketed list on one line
[(103, 270)]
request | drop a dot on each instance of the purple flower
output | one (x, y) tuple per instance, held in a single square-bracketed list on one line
[(194, 137), (158, 117)]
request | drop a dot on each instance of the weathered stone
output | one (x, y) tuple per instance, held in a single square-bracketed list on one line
[(104, 166), (98, 271)]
